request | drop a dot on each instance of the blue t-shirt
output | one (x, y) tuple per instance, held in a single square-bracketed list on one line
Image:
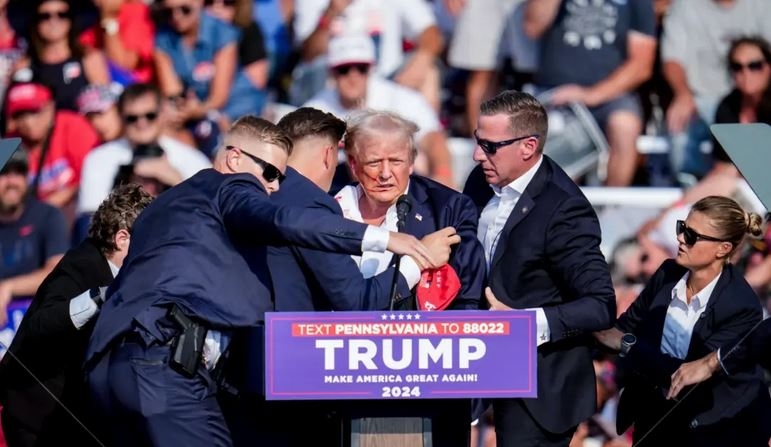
[(588, 39), (195, 66), (25, 245)]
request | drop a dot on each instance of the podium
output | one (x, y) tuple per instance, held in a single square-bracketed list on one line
[(399, 378)]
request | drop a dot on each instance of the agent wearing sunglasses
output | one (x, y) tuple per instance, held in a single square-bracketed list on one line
[(351, 62), (139, 107), (541, 241), (691, 306), (200, 249)]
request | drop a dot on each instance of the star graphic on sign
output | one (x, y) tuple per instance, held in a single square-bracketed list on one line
[(417, 316), (543, 337), (401, 316), (384, 317), (409, 316), (393, 317)]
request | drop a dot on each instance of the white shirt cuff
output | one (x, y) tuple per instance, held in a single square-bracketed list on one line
[(375, 239), (543, 333), (410, 270), (82, 308), (720, 361)]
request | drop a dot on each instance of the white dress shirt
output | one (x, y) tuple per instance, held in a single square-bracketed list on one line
[(372, 263), (682, 317), (491, 223), (82, 307)]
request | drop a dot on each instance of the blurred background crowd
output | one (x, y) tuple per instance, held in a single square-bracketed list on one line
[(104, 92)]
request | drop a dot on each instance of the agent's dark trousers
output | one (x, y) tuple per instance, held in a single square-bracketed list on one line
[(146, 403), (515, 427)]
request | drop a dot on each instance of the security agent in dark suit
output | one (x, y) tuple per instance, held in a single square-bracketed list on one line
[(542, 242), (691, 306), (197, 270), (51, 340)]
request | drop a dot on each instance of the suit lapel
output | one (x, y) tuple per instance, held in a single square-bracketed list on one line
[(703, 326), (658, 311), (100, 264), (420, 220), (524, 206)]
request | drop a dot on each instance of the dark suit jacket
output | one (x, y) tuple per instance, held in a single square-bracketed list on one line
[(307, 280), (754, 348), (201, 245), (548, 255), (732, 310), (435, 206), (49, 344)]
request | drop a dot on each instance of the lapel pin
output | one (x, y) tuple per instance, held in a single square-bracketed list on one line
[(419, 217), (524, 209)]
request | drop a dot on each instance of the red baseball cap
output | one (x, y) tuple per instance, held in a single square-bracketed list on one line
[(27, 97), (437, 288)]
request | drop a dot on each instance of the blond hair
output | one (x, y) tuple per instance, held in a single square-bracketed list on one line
[(369, 123), (250, 126)]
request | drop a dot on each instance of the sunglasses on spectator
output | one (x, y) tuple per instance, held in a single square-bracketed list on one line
[(224, 2), (491, 147), (691, 237), (131, 119), (183, 9), (756, 65), (46, 16), (269, 172), (345, 69)]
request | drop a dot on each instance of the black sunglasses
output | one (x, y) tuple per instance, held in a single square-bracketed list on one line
[(269, 172), (491, 147), (345, 69), (224, 2), (131, 119), (46, 16), (691, 237), (755, 65), (183, 9)]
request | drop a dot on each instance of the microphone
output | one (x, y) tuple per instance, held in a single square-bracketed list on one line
[(403, 207)]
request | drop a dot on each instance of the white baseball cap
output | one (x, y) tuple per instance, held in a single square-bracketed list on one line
[(350, 49)]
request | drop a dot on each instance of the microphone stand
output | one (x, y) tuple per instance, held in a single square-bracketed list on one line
[(397, 263)]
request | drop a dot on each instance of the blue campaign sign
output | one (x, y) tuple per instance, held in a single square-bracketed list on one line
[(399, 355), (15, 313)]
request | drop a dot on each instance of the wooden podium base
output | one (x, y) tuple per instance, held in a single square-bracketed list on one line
[(391, 432)]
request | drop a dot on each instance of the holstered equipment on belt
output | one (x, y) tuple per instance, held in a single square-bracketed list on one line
[(187, 347)]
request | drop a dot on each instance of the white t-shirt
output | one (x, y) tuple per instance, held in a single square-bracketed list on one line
[(385, 95), (101, 166), (387, 21)]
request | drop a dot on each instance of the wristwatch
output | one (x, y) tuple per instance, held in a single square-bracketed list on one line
[(110, 26), (627, 341)]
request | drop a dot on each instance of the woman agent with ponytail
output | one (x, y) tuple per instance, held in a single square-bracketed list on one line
[(691, 306)]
